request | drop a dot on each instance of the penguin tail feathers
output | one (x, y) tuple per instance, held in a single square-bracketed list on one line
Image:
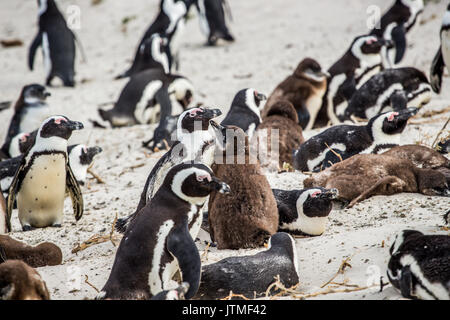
[(122, 224)]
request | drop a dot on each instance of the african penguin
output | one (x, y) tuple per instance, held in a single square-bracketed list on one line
[(389, 90), (195, 142), (251, 275), (304, 89), (394, 25), (159, 242), (419, 266), (304, 212), (361, 61), (29, 112), (147, 94), (80, 158), (3, 225), (212, 20), (442, 57), (43, 176), (245, 111), (19, 281), (343, 141), (173, 294), (58, 44)]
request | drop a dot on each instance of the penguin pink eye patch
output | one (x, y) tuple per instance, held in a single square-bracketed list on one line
[(24, 137), (315, 194), (371, 40), (392, 116), (194, 112), (203, 177), (59, 120)]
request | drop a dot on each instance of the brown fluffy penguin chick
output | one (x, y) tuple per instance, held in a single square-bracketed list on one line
[(3, 225), (44, 254), (304, 89), (281, 116), (248, 215), (18, 281), (366, 175)]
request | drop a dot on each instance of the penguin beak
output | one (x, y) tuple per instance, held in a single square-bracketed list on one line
[(220, 186), (74, 125), (406, 114), (211, 113)]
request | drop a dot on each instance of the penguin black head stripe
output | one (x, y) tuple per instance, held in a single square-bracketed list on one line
[(196, 119), (390, 123), (33, 93), (401, 238)]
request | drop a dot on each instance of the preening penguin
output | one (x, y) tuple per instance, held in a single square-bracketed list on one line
[(247, 216), (245, 111), (159, 242), (442, 57), (43, 176), (343, 141), (212, 20), (304, 89), (250, 275), (58, 44), (306, 211), (419, 266), (147, 95), (30, 110)]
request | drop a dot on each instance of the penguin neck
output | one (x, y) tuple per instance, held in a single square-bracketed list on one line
[(159, 57), (49, 144)]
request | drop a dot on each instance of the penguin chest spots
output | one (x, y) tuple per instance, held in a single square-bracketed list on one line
[(445, 47)]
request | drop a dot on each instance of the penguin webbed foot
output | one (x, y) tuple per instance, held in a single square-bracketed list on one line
[(27, 227)]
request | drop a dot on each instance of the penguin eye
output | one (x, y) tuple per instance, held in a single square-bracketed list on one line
[(59, 120), (392, 116), (203, 177), (315, 194)]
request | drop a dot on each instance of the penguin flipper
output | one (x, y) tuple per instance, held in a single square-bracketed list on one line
[(80, 47), (183, 248), (34, 45), (437, 70), (399, 38), (12, 194), (74, 190)]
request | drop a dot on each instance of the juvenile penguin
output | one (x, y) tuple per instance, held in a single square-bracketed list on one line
[(282, 117), (80, 158), (304, 89), (44, 254), (250, 275), (245, 111), (442, 57), (145, 95), (361, 61), (58, 44), (304, 212), (18, 281), (3, 225), (389, 90), (30, 110), (419, 266), (159, 242), (343, 141), (43, 176), (366, 175), (247, 216), (195, 143), (212, 20)]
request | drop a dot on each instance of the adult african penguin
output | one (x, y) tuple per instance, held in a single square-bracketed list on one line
[(442, 57), (245, 111), (29, 111), (394, 25), (58, 44), (304, 212), (359, 63), (389, 90), (343, 141), (195, 142), (159, 242), (43, 176), (212, 20), (419, 266), (252, 274), (147, 97)]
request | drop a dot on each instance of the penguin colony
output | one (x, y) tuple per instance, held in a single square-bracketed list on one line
[(209, 172)]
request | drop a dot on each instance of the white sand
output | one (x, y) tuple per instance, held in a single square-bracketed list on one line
[(271, 40)]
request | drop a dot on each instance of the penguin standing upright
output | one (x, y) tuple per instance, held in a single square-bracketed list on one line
[(43, 176), (158, 242), (195, 142), (212, 20), (58, 44), (442, 57), (394, 25), (29, 112), (245, 111)]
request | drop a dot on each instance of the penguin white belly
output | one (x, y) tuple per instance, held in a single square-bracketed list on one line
[(41, 197), (445, 47), (46, 53)]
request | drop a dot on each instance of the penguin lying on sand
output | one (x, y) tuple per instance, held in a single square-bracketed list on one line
[(212, 20), (158, 242), (306, 211), (304, 89), (43, 176), (366, 175), (343, 141), (18, 281), (29, 112), (252, 275), (419, 266), (442, 57)]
